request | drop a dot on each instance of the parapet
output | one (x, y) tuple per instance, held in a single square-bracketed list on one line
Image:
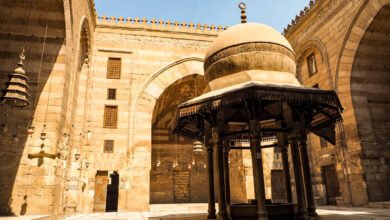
[(160, 25), (302, 13)]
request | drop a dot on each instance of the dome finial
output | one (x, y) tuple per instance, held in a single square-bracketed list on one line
[(242, 6), (22, 58)]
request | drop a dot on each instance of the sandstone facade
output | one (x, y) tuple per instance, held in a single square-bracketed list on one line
[(350, 42), (68, 49)]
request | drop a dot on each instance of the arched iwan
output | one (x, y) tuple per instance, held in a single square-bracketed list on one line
[(142, 108), (348, 52)]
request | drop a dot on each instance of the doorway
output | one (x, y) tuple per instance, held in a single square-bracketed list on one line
[(112, 193), (106, 192), (278, 189), (331, 184)]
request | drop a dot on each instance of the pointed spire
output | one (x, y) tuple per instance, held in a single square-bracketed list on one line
[(242, 6)]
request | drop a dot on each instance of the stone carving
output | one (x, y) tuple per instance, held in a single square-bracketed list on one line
[(248, 48)]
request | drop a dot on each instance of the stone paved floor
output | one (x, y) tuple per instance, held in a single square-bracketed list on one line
[(191, 212), (326, 213)]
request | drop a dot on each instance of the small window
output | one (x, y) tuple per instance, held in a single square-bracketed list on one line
[(114, 67), (316, 86), (323, 142), (110, 116), (312, 64), (111, 94), (108, 146)]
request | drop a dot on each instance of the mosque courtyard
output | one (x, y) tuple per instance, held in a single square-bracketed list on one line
[(325, 212), (198, 212)]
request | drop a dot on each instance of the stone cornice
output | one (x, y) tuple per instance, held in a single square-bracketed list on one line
[(159, 25)]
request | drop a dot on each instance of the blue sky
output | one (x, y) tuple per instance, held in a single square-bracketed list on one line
[(276, 13)]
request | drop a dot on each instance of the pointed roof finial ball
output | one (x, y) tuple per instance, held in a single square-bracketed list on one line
[(242, 6)]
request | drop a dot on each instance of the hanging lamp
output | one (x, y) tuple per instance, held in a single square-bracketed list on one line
[(16, 92), (197, 146)]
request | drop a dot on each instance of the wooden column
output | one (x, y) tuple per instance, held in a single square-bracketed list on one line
[(286, 170), (257, 163), (307, 176), (218, 141), (210, 167), (226, 171), (298, 177)]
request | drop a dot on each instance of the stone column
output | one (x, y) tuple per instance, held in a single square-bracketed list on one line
[(307, 176), (210, 167), (298, 177), (258, 175), (218, 142), (226, 171), (286, 172)]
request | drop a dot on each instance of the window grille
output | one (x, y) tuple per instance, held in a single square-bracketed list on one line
[(108, 146), (114, 67), (111, 94), (110, 116)]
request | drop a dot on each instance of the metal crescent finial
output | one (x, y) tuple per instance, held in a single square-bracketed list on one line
[(242, 6), (22, 57)]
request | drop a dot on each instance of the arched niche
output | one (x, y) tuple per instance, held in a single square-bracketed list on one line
[(140, 121), (78, 97), (177, 173), (322, 77)]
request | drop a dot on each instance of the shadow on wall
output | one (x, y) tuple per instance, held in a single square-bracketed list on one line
[(177, 173), (370, 89), (23, 24)]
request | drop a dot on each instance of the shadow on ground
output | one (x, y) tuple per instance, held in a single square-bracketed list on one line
[(181, 217)]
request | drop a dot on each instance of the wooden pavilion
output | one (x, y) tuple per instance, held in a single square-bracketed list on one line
[(253, 94)]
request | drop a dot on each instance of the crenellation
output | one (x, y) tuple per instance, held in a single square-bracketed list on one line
[(302, 13), (159, 24)]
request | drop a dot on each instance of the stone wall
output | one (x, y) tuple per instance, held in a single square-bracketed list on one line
[(32, 176), (333, 31), (31, 179), (153, 58)]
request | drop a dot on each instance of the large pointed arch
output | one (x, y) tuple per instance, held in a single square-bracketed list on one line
[(358, 28), (354, 99), (140, 122)]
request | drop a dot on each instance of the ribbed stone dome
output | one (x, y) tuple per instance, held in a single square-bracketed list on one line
[(250, 52)]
